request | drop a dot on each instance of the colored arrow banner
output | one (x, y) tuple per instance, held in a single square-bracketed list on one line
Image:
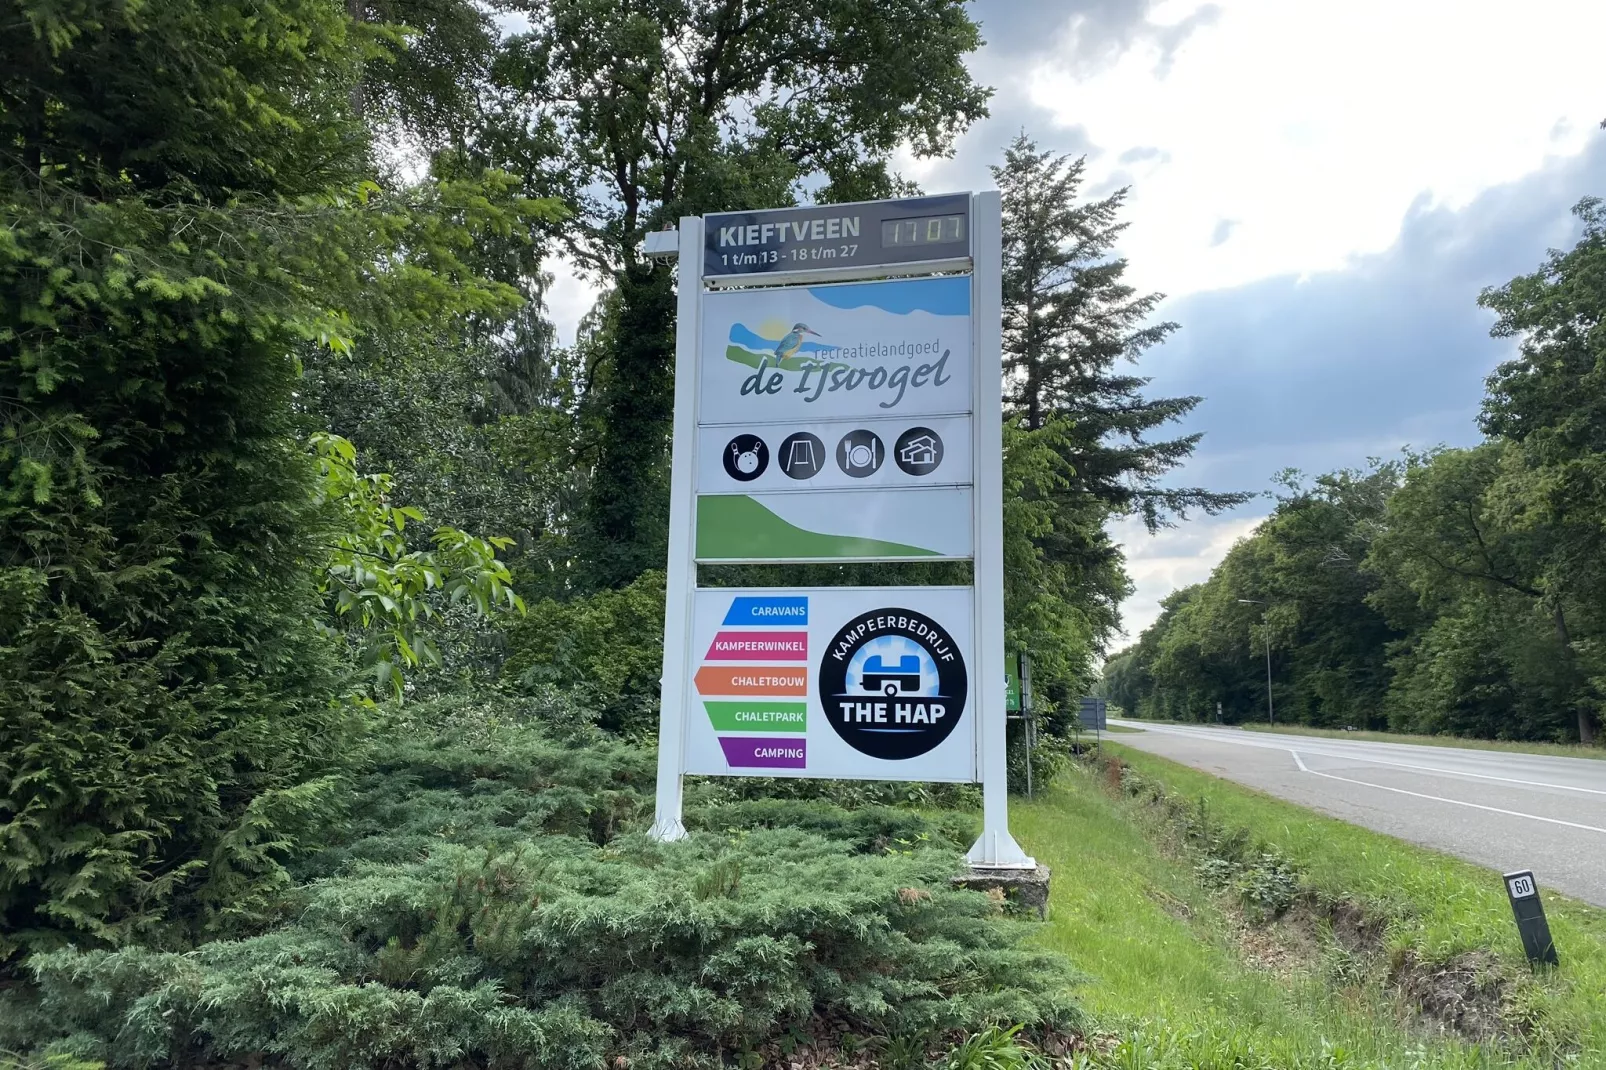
[(752, 646), (743, 752), (788, 610), (752, 680), (752, 716)]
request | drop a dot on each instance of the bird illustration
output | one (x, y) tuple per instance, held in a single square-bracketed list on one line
[(793, 341)]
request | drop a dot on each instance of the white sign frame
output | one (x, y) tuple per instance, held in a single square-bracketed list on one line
[(995, 848), (762, 679)]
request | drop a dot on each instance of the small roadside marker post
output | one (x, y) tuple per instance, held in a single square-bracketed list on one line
[(1529, 911)]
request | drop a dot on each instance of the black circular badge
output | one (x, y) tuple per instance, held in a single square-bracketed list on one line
[(802, 455), (893, 684), (860, 453), (746, 457), (919, 451)]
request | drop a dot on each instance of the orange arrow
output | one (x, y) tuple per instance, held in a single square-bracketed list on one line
[(752, 680)]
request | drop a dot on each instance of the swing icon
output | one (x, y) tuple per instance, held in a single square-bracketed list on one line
[(802, 455)]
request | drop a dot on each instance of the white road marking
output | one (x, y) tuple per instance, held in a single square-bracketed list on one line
[(1398, 765), (1437, 798)]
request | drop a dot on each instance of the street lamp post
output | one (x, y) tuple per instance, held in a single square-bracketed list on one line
[(1271, 716)]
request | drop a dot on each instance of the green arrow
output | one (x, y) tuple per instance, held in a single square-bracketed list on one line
[(758, 716)]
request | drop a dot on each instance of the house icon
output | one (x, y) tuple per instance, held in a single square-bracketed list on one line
[(918, 452)]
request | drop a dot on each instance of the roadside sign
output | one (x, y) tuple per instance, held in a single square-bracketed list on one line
[(1529, 910), (838, 385), (1012, 682), (1092, 712), (843, 682)]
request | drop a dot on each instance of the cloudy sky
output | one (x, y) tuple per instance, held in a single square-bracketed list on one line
[(1321, 188)]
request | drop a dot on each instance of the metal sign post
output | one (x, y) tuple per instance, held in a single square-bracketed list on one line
[(1529, 910), (838, 384)]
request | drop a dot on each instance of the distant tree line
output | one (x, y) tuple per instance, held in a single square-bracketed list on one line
[(1459, 591)]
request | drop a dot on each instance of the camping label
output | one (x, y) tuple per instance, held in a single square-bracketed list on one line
[(870, 682)]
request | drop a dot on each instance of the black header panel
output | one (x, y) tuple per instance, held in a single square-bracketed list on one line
[(837, 236)]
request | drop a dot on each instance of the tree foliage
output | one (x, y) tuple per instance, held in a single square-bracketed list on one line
[(1070, 319), (190, 203), (379, 587)]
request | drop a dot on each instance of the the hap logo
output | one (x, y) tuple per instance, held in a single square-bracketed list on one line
[(893, 684)]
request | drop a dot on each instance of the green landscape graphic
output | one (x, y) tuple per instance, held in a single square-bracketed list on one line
[(737, 527)]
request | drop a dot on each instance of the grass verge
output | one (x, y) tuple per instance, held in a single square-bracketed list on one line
[(1560, 750), (1186, 981)]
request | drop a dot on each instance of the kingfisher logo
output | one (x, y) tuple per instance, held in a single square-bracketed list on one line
[(775, 350), (893, 684)]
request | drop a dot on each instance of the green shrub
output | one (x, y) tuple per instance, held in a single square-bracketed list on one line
[(482, 771), (489, 899), (1052, 755), (558, 953), (993, 1048), (873, 829), (607, 648), (12, 1061), (188, 201)]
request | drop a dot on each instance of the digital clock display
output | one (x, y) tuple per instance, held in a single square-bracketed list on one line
[(924, 230)]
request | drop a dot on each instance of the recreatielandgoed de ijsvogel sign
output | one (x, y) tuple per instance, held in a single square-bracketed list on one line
[(874, 233), (781, 480), (838, 382)]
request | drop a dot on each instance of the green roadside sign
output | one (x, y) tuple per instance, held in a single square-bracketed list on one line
[(1012, 676)]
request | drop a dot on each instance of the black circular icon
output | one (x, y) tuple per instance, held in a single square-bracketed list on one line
[(860, 453), (893, 684), (919, 451), (746, 457), (802, 455)]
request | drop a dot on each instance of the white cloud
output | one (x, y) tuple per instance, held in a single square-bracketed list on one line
[(1172, 558), (569, 298), (1315, 124)]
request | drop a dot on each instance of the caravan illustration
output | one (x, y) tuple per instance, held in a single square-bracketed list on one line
[(905, 676)]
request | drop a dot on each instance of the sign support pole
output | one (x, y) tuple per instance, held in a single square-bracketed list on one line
[(996, 849), (680, 583)]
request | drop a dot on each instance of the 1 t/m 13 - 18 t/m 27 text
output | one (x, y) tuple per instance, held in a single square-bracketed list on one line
[(804, 255)]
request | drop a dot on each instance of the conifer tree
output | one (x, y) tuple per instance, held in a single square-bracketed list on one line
[(1070, 318)]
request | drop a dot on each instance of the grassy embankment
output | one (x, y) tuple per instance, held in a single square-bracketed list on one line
[(1183, 976)]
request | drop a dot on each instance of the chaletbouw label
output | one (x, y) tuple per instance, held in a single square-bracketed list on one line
[(827, 682)]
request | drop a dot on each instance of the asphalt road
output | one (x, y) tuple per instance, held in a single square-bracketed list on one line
[(1494, 808)]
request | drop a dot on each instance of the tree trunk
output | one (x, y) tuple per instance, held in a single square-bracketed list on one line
[(1586, 725), (625, 520)]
